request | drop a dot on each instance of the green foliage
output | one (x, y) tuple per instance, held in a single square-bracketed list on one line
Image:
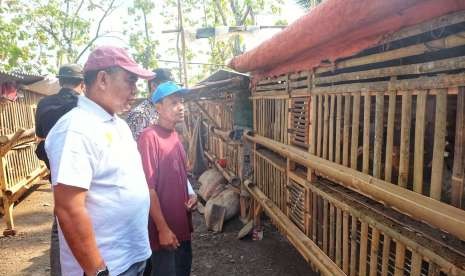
[(307, 4)]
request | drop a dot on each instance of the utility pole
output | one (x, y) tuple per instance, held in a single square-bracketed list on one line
[(183, 43)]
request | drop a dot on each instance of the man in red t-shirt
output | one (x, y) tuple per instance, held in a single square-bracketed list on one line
[(171, 196)]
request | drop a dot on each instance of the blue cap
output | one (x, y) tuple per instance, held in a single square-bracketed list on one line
[(165, 89)]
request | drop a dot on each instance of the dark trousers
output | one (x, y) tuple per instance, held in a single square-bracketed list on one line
[(55, 266), (172, 262)]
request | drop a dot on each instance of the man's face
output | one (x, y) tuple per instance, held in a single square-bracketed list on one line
[(122, 89), (171, 109)]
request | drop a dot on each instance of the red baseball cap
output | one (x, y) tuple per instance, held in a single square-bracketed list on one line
[(108, 56)]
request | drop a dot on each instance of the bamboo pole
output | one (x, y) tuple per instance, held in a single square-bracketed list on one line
[(379, 128), (400, 259), (366, 133), (355, 131), (374, 252), (439, 144), (390, 135), (338, 129), (325, 226), (339, 223), (438, 214), (363, 249), (331, 128), (458, 171), (419, 142), (319, 145), (386, 253), (353, 247), (325, 126), (332, 227), (405, 139), (345, 147), (416, 264), (345, 242)]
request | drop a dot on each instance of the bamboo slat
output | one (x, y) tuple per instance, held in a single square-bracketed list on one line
[(363, 249), (458, 171), (400, 259), (353, 247), (325, 126), (339, 224), (320, 127), (345, 243), (366, 133), (355, 131), (345, 147), (386, 253), (374, 252), (390, 135), (331, 128), (379, 128), (439, 144), (419, 142), (405, 139), (338, 141)]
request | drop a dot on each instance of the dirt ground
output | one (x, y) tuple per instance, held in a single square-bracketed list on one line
[(27, 253)]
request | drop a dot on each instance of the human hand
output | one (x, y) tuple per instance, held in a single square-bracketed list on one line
[(168, 239), (191, 204)]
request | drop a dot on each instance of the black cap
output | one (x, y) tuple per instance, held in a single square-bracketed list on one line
[(162, 75), (70, 71)]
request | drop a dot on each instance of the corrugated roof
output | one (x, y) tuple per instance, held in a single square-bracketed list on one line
[(20, 77)]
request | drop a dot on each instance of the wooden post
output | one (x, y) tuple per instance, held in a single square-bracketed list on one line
[(419, 142), (458, 178), (439, 144)]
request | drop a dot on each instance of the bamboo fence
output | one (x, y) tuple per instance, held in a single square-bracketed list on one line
[(19, 166), (387, 126)]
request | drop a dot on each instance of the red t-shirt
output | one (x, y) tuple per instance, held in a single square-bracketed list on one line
[(164, 161)]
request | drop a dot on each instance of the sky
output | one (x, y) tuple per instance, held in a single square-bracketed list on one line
[(290, 12)]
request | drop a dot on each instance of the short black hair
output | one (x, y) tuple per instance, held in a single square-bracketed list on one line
[(161, 75), (91, 76), (69, 81)]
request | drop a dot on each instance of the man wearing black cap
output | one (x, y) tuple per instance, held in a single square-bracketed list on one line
[(144, 114), (49, 110)]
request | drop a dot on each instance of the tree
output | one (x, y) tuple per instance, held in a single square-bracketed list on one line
[(308, 4), (141, 38), (52, 30)]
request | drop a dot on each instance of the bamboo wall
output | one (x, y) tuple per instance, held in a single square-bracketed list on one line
[(19, 166), (388, 126)]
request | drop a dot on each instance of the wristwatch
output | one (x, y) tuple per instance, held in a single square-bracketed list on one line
[(103, 272)]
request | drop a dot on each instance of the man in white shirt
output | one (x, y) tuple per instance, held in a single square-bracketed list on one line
[(100, 191)]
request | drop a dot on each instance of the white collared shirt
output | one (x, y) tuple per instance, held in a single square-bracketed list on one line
[(91, 149)]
